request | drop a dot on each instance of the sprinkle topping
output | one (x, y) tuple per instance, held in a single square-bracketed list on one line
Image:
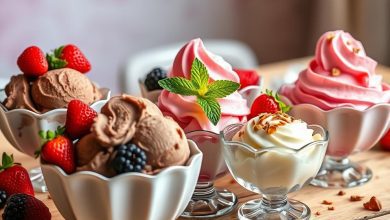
[(269, 122), (335, 72), (330, 36)]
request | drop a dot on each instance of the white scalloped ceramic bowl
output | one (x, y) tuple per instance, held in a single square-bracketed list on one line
[(350, 130), (90, 196), (21, 126)]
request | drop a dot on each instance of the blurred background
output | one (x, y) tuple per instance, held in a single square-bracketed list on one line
[(109, 32)]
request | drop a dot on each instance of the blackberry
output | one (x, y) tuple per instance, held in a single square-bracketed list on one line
[(151, 81), (25, 207), (3, 198), (129, 158)]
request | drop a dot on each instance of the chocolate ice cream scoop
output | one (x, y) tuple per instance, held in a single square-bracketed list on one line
[(18, 94), (130, 120), (116, 124), (163, 141), (58, 87)]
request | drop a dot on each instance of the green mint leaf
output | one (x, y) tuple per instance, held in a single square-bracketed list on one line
[(199, 74), (221, 88), (211, 107), (178, 85)]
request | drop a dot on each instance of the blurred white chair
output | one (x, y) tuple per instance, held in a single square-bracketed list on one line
[(234, 52)]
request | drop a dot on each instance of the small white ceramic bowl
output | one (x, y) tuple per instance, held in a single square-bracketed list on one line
[(350, 131), (21, 126), (90, 196)]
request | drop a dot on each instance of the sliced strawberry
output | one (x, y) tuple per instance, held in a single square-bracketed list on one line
[(267, 103), (247, 77), (58, 150), (14, 178), (385, 141), (69, 56), (32, 62), (79, 119)]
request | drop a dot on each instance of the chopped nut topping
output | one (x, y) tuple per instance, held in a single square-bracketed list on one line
[(317, 213), (341, 193), (373, 205), (356, 50), (331, 208), (336, 72), (327, 202), (355, 198), (330, 37), (271, 121)]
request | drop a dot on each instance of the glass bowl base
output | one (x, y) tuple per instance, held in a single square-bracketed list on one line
[(37, 180), (219, 203), (350, 174), (254, 209)]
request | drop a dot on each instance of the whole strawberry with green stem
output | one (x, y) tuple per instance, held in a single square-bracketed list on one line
[(267, 103), (32, 62), (69, 56), (79, 119), (14, 178), (57, 149)]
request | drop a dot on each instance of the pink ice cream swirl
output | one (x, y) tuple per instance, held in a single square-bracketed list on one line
[(184, 109), (340, 75)]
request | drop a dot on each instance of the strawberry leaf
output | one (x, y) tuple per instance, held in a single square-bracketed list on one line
[(221, 88), (51, 134), (42, 134), (178, 85), (199, 74), (283, 106), (211, 107), (7, 161)]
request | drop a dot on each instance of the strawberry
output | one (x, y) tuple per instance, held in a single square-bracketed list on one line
[(14, 178), (79, 119), (269, 103), (32, 62), (25, 207), (247, 77), (385, 141), (58, 150), (68, 56)]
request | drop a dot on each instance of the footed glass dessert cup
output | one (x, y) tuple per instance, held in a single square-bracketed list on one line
[(207, 201), (273, 172), (351, 131), (21, 126)]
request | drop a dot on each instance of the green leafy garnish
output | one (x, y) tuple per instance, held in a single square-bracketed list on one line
[(206, 92)]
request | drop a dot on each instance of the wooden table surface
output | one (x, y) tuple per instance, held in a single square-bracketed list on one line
[(378, 161)]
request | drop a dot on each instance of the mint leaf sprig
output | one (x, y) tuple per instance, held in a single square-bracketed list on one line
[(206, 92)]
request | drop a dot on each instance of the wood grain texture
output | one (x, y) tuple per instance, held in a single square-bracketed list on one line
[(378, 161)]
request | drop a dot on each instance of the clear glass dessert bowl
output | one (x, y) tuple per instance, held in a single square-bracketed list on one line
[(208, 201), (21, 126), (351, 131), (273, 172), (90, 196)]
